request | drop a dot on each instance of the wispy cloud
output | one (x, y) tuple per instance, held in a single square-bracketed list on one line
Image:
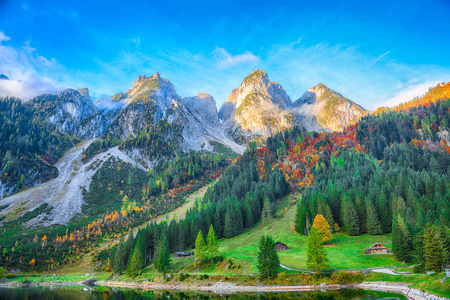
[(226, 60), (410, 92), (29, 73), (3, 37), (380, 57), (368, 80)]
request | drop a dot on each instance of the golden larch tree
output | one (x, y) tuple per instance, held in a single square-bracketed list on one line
[(323, 228)]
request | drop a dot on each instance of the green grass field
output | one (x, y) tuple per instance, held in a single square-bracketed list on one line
[(344, 252)]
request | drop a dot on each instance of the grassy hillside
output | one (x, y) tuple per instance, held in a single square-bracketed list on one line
[(243, 248)]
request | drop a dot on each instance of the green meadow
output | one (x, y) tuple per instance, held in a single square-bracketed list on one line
[(344, 252)]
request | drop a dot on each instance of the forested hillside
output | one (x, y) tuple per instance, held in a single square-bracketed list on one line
[(401, 185), (439, 92), (389, 173), (29, 145), (136, 128)]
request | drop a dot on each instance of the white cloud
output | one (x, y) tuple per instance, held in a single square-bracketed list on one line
[(369, 80), (410, 93), (3, 37), (29, 73), (226, 60)]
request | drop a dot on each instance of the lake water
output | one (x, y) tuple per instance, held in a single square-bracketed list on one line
[(101, 293)]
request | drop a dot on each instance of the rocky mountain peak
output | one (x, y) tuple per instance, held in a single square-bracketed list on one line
[(204, 95), (255, 76), (84, 91), (257, 82), (321, 107), (151, 86), (156, 76), (257, 107)]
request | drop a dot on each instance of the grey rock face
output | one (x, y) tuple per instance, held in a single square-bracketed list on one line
[(198, 115), (258, 107), (321, 108), (73, 112)]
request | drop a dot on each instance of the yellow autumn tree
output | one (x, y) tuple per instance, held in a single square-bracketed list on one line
[(336, 228), (32, 262), (323, 228)]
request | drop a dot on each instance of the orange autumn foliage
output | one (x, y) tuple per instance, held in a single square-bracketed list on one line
[(323, 228)]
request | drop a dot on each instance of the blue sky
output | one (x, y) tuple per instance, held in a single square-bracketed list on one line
[(373, 52)]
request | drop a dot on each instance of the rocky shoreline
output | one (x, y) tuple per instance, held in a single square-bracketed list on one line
[(230, 288)]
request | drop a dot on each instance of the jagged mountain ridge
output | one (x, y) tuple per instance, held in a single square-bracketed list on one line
[(73, 111), (153, 100), (326, 108), (260, 107)]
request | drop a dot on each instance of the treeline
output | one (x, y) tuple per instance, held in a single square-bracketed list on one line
[(156, 190), (28, 143), (118, 199), (163, 140), (155, 140), (404, 188), (237, 201), (99, 146), (426, 123)]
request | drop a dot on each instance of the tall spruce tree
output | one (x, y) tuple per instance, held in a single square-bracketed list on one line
[(434, 256), (351, 220), (268, 260), (316, 254), (119, 260), (163, 260), (373, 222), (401, 239), (212, 247), (136, 260), (300, 218), (200, 247)]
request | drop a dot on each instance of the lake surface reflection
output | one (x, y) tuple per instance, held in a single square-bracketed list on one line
[(72, 293)]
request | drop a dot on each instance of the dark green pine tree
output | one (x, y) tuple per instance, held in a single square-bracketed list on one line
[(434, 256), (266, 211), (136, 261), (401, 239), (119, 263), (228, 230), (373, 222), (268, 260), (248, 215), (300, 218), (163, 260), (351, 220)]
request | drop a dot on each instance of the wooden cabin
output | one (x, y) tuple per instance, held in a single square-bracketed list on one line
[(377, 248), (280, 246), (181, 254)]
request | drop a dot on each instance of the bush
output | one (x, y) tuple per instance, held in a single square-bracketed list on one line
[(419, 268), (183, 276), (10, 275), (343, 277), (26, 280), (2, 272)]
